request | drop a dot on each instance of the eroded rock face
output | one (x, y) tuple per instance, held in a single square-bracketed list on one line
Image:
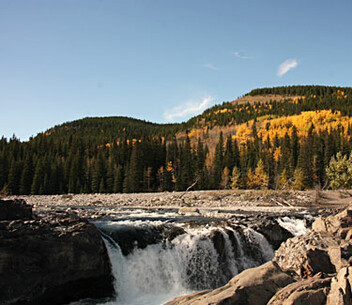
[(52, 260), (273, 232), (251, 287), (341, 292)]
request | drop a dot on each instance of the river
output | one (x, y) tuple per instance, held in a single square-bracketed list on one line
[(158, 254)]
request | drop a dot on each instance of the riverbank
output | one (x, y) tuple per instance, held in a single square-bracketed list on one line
[(206, 203), (208, 198)]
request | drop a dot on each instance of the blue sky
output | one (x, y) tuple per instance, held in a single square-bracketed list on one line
[(160, 60)]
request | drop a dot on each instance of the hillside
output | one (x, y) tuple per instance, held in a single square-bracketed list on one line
[(270, 138)]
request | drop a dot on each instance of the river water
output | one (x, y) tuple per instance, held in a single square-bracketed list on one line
[(159, 255)]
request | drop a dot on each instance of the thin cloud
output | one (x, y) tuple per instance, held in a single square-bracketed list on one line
[(211, 67), (187, 109), (286, 66), (241, 55)]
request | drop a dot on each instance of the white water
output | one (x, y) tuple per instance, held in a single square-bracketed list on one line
[(293, 225), (190, 262), (160, 272)]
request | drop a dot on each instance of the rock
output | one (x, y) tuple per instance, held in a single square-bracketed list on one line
[(308, 254), (251, 287), (52, 260), (307, 292), (334, 223), (340, 292), (15, 209), (131, 237), (273, 232)]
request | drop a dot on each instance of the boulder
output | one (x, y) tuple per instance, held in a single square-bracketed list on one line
[(52, 260), (307, 292), (15, 209), (340, 292), (273, 232), (309, 254), (334, 223), (253, 286)]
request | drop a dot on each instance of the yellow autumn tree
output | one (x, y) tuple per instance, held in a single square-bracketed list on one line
[(258, 179), (283, 182), (235, 178), (225, 178), (298, 179)]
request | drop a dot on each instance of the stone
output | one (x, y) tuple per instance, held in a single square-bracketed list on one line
[(307, 292), (15, 209), (56, 259), (308, 254), (334, 223), (253, 286), (340, 292), (273, 232)]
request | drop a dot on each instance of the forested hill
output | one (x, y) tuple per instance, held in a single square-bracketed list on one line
[(281, 137), (111, 129)]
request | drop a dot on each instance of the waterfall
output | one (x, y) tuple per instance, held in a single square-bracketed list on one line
[(199, 258)]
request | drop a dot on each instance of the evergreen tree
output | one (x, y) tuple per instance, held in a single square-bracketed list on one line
[(229, 156), (305, 158), (219, 161), (14, 178), (26, 177), (339, 172), (118, 180), (294, 148)]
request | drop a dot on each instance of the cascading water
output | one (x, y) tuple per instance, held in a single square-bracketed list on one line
[(156, 259), (199, 258)]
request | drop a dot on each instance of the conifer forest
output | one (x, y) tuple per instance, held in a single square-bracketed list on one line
[(284, 142)]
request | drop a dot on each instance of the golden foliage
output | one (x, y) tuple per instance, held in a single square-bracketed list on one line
[(322, 120), (258, 179)]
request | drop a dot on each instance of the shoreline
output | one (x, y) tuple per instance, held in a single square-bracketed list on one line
[(217, 203)]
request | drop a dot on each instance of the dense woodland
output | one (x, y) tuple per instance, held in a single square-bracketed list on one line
[(118, 154)]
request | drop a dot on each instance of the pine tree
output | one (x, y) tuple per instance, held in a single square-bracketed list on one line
[(229, 156), (14, 178), (118, 180), (294, 148), (135, 171), (305, 158), (186, 178), (37, 186), (26, 177), (339, 172), (219, 161)]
